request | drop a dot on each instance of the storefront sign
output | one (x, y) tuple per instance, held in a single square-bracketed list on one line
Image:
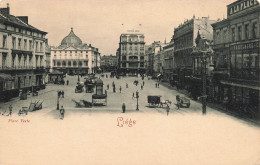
[(99, 101), (242, 5), (251, 45)]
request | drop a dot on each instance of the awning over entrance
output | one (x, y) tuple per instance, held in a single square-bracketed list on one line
[(240, 85), (5, 77)]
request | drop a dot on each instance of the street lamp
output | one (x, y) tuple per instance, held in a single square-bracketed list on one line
[(137, 96), (204, 81), (78, 69), (58, 100)]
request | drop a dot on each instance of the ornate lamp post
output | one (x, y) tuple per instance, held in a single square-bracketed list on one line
[(204, 58), (137, 96)]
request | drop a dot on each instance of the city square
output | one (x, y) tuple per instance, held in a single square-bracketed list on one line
[(129, 82)]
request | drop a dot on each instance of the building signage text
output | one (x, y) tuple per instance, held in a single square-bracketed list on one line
[(242, 6)]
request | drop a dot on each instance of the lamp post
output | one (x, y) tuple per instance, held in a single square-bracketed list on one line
[(204, 81), (137, 96), (78, 69), (58, 100)]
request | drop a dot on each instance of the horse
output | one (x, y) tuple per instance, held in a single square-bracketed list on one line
[(166, 102)]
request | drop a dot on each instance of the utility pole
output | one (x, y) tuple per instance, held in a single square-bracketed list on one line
[(204, 82), (137, 96)]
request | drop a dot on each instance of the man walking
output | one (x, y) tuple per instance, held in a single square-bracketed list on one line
[(62, 112), (120, 89), (123, 108), (158, 85), (155, 85), (10, 110), (67, 82), (133, 95)]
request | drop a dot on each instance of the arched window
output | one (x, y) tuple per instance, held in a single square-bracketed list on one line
[(58, 63), (74, 63), (69, 63), (63, 63)]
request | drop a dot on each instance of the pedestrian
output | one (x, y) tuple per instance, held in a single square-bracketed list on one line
[(114, 89), (107, 86), (10, 110), (123, 107), (167, 109), (126, 85), (141, 87), (158, 85), (67, 82), (133, 95), (62, 112), (178, 101), (143, 83), (120, 89), (155, 85), (62, 94)]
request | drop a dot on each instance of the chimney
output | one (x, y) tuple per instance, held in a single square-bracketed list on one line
[(23, 18), (5, 11)]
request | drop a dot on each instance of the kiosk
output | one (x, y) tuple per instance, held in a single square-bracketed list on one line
[(99, 98)]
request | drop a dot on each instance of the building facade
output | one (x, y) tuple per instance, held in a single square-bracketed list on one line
[(169, 64), (108, 63), (22, 55), (150, 53), (184, 41), (131, 54), (74, 57), (236, 46)]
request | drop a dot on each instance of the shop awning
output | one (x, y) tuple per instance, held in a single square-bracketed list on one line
[(240, 85), (5, 77)]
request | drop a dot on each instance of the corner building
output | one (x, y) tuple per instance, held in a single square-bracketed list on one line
[(22, 55), (236, 46), (131, 54), (74, 57)]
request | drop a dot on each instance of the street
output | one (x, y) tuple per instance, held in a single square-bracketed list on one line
[(104, 135)]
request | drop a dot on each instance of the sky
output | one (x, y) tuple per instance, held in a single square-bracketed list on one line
[(99, 22)]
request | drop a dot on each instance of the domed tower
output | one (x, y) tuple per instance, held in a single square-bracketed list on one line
[(71, 40)]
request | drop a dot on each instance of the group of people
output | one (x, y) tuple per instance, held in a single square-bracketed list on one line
[(157, 85), (10, 111), (61, 93)]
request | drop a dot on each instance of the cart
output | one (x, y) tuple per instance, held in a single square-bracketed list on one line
[(24, 111), (82, 103), (154, 101), (79, 88), (183, 101)]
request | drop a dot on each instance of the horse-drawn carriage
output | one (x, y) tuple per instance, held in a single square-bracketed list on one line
[(79, 87), (155, 101), (182, 101), (136, 82), (82, 104)]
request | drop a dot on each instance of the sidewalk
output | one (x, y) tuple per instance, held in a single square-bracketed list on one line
[(216, 106)]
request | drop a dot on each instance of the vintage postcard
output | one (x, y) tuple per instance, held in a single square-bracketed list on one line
[(129, 82)]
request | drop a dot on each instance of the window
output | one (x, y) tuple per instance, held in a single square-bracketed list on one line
[(19, 43), (233, 34), (4, 59), (36, 48), (254, 30), (14, 42), (13, 60), (239, 37), (4, 41), (30, 45), (41, 47), (24, 81), (246, 32), (25, 44), (224, 35)]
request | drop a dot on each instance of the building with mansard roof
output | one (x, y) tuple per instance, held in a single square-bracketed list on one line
[(73, 56), (236, 58), (22, 55)]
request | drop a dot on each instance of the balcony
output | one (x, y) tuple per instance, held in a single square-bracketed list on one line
[(21, 68)]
